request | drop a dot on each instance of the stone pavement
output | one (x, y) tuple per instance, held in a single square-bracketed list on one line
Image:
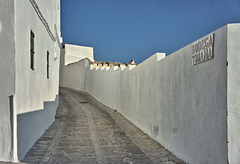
[(86, 131)]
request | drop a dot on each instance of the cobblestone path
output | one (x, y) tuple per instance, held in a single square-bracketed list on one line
[(86, 131)]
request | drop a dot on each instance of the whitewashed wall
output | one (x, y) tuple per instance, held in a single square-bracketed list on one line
[(7, 73), (181, 106), (73, 75), (233, 92), (36, 97), (74, 53), (192, 110), (72, 65)]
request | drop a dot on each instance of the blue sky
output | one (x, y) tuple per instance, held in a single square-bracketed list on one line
[(121, 30)]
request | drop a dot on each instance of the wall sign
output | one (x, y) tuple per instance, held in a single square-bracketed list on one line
[(202, 50)]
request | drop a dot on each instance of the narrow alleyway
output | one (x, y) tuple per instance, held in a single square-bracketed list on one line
[(86, 131)]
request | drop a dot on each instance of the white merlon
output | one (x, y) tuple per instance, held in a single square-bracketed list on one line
[(91, 67), (160, 56), (122, 67), (130, 67), (115, 68)]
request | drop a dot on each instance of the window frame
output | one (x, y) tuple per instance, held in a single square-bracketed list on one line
[(48, 65), (32, 49)]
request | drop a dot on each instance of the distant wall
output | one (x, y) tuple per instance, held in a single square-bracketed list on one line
[(7, 79), (74, 53), (73, 64), (182, 106), (73, 75)]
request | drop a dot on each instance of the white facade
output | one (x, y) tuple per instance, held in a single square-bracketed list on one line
[(75, 53), (7, 72), (30, 99)]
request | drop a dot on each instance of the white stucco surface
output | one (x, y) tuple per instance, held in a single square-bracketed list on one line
[(32, 86), (73, 75), (233, 92), (7, 72), (182, 106), (33, 89), (74, 53)]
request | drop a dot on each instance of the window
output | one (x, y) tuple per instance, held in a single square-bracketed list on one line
[(47, 64), (32, 36)]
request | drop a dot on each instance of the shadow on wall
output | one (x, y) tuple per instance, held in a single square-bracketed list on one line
[(32, 125)]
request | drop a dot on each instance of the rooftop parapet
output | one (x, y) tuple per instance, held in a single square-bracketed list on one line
[(105, 64)]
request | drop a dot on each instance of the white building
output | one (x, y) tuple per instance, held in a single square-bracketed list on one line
[(29, 68)]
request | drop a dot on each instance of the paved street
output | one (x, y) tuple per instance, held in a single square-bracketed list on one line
[(88, 132)]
